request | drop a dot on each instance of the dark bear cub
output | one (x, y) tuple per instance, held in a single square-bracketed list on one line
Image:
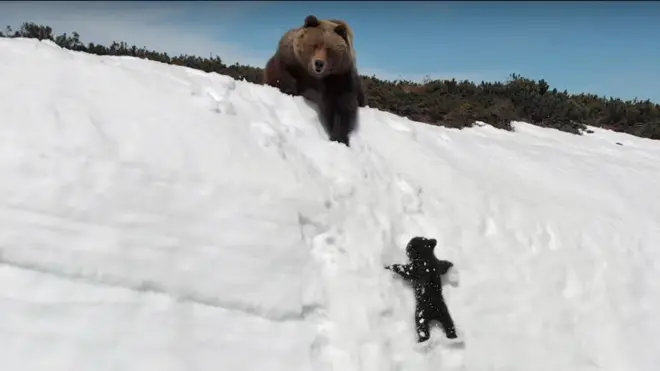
[(424, 273)]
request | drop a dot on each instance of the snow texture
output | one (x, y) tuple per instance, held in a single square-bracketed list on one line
[(155, 217)]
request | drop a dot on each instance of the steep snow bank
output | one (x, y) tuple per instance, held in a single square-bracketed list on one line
[(157, 217)]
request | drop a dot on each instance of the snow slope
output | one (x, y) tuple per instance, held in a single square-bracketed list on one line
[(159, 218)]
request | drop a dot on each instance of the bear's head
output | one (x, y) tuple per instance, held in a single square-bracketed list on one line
[(323, 50), (421, 249)]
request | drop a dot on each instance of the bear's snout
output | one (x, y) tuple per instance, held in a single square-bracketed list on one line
[(319, 65)]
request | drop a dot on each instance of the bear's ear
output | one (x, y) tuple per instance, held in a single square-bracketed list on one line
[(311, 21), (342, 31)]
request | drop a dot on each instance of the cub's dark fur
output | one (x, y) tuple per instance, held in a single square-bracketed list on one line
[(424, 272)]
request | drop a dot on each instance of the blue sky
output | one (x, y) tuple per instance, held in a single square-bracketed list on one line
[(608, 48)]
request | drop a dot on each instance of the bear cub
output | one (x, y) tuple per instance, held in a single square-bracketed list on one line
[(317, 61), (424, 272)]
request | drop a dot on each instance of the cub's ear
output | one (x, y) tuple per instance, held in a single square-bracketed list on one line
[(342, 31), (311, 21)]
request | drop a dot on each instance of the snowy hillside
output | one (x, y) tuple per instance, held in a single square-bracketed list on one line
[(160, 218)]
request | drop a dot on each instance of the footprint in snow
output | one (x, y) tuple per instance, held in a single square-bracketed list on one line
[(265, 134), (410, 199)]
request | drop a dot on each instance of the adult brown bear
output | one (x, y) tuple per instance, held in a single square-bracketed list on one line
[(317, 61)]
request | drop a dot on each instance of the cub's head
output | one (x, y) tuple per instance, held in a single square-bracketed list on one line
[(323, 50), (421, 249)]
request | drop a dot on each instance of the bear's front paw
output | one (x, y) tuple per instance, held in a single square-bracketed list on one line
[(340, 139), (287, 90)]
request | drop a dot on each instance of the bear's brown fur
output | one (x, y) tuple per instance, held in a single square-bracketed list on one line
[(317, 61), (333, 23)]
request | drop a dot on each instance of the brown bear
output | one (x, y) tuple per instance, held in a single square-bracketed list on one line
[(331, 25), (317, 61)]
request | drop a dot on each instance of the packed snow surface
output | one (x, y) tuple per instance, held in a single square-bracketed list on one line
[(155, 217)]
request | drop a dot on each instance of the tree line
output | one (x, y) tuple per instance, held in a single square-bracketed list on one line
[(449, 103)]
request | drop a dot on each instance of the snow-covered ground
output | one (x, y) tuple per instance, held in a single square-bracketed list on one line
[(159, 218)]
